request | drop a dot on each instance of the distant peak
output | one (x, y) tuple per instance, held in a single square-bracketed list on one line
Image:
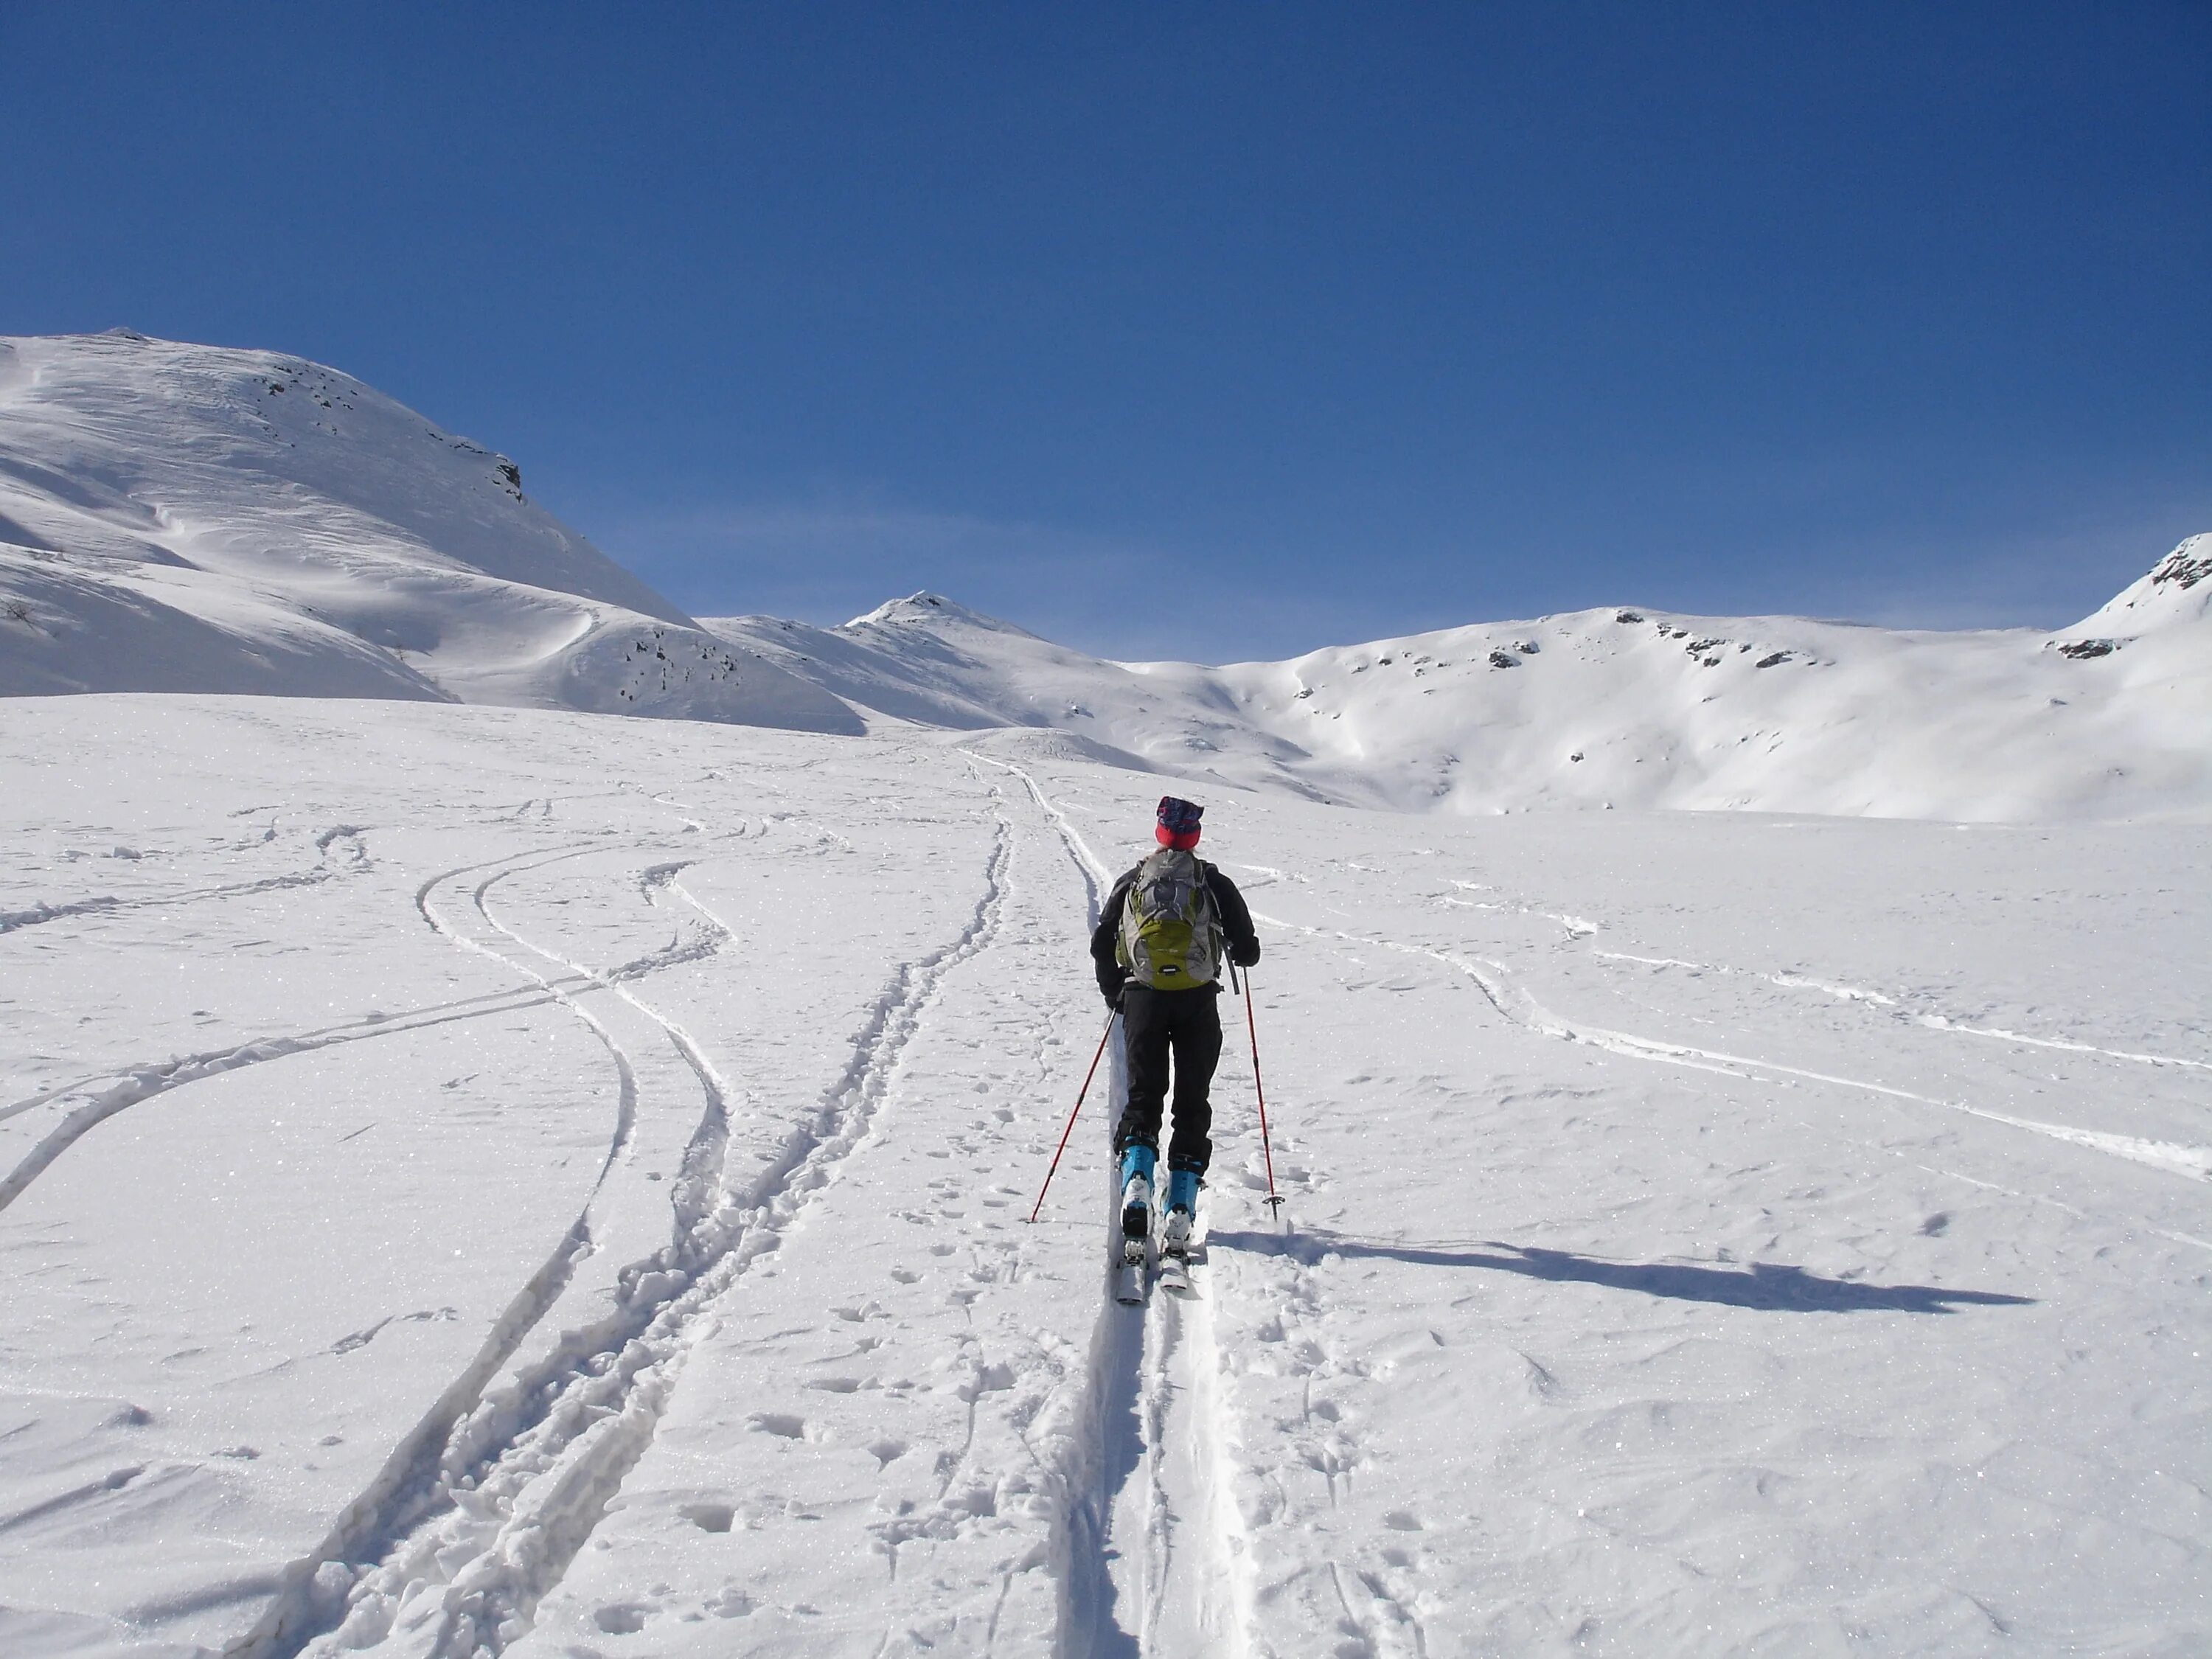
[(2178, 589), (122, 333), (931, 608)]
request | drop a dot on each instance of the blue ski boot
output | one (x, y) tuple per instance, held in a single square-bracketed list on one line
[(1138, 1161), (1182, 1212)]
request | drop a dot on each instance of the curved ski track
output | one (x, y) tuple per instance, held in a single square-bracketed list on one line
[(478, 1514), (1516, 1004), (132, 1084), (1150, 1548), (358, 863), (143, 1081)]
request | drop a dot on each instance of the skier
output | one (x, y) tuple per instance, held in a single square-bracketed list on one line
[(1157, 948)]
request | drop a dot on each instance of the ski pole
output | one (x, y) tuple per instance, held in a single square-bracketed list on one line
[(1113, 1015), (1274, 1198)]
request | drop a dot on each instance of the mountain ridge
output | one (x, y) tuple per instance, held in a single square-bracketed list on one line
[(1609, 706), (180, 518)]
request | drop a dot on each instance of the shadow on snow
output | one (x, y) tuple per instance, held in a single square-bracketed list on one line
[(1769, 1287)]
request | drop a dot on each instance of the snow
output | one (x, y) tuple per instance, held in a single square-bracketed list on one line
[(483, 1177), (185, 518), (1607, 707), (505, 1180)]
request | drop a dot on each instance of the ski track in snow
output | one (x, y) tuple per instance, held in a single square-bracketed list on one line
[(479, 1515), (315, 1588), (1516, 1004), (1212, 1476), (1933, 1022), (133, 1084), (1152, 1549), (138, 1083), (356, 863)]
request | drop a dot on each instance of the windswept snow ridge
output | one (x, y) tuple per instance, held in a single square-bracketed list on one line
[(184, 517)]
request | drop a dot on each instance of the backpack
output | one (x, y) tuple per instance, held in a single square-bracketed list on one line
[(1170, 936)]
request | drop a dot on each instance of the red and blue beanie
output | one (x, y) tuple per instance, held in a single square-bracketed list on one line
[(1178, 823)]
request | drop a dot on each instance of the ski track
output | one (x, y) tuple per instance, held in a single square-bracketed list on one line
[(1933, 1022), (1151, 1547), (138, 1083), (1515, 1003), (135, 1084), (358, 863), (703, 1154), (452, 1557), (313, 1588)]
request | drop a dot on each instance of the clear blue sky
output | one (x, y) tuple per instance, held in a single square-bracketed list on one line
[(1218, 330)]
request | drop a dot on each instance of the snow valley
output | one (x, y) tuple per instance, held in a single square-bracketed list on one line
[(478, 1176)]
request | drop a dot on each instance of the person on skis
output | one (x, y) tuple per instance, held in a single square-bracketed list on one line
[(1157, 948)]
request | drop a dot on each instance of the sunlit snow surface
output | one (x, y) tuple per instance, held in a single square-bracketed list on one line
[(486, 1180), (189, 517), (2109, 718)]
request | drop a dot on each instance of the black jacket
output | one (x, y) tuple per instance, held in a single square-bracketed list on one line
[(1228, 905)]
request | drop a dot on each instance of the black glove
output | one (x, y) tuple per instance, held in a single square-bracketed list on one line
[(1244, 953), (1111, 990)]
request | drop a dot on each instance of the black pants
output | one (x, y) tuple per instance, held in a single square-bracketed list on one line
[(1188, 1026)]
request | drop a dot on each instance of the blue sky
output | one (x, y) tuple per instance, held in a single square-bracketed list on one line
[(1214, 331)]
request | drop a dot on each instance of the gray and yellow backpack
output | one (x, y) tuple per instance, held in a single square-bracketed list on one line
[(1170, 936)]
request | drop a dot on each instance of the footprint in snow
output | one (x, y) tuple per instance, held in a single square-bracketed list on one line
[(732, 1603)]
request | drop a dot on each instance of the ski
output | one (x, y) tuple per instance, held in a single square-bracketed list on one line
[(1133, 1227), (1129, 1274), (1175, 1274)]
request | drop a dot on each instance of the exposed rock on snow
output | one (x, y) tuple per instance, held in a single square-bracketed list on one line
[(2176, 591)]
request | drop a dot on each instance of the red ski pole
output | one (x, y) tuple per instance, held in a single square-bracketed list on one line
[(1274, 1198), (1070, 1129)]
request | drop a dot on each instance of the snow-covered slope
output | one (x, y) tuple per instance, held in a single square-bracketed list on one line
[(1627, 707), (185, 518), (581, 1210)]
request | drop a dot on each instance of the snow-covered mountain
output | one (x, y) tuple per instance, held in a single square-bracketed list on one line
[(185, 518), (1632, 708)]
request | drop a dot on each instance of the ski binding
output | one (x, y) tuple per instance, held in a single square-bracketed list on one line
[(1175, 1272), (1129, 1273)]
